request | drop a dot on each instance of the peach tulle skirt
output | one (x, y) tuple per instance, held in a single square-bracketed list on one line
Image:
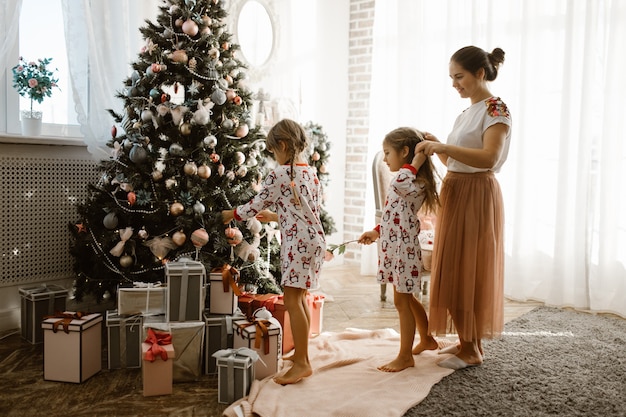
[(467, 278)]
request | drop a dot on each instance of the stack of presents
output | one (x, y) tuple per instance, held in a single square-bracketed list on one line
[(167, 332)]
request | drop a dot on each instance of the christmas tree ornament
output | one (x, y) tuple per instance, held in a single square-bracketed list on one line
[(228, 124), (230, 175), (230, 94), (221, 169), (240, 158), (113, 131), (155, 95), (160, 246), (185, 129), (206, 20), (199, 238), (237, 100), (190, 27), (210, 141), (179, 56), (138, 154), (176, 149), (157, 175), (202, 116), (147, 115), (143, 233), (214, 54), (125, 235), (179, 22), (171, 183), (176, 209), (178, 113), (199, 208), (214, 157), (229, 79), (156, 68), (179, 238), (242, 171), (315, 156), (190, 168), (218, 96), (132, 198), (162, 110), (110, 221), (126, 261), (233, 236), (242, 130), (204, 171)]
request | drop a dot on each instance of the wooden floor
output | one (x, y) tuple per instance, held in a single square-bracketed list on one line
[(352, 300)]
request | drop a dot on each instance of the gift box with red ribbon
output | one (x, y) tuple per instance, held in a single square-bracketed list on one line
[(263, 336), (223, 290), (316, 304), (158, 355), (72, 349)]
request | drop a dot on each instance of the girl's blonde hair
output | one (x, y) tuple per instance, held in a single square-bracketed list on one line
[(292, 135), (410, 137)]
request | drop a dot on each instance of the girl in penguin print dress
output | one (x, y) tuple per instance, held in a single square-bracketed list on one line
[(293, 190), (399, 254)]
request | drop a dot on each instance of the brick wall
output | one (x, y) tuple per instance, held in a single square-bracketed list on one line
[(359, 79)]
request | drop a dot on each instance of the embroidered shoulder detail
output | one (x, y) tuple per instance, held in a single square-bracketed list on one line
[(495, 107)]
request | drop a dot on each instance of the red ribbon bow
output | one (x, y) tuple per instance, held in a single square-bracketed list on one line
[(65, 320), (157, 339)]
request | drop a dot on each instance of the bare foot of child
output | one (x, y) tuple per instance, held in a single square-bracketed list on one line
[(426, 344), (294, 375), (397, 365)]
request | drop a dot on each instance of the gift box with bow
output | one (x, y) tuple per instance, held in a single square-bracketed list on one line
[(158, 356), (186, 288), (72, 348), (235, 373), (123, 340), (264, 335), (223, 290)]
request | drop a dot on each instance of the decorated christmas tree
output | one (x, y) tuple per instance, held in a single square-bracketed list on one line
[(183, 149)]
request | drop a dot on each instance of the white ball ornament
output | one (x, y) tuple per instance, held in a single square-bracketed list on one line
[(210, 141), (199, 208), (240, 158)]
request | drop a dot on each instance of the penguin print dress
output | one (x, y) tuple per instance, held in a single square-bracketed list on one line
[(297, 204), (399, 252)]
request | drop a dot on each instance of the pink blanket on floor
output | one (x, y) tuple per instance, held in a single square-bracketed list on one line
[(345, 381)]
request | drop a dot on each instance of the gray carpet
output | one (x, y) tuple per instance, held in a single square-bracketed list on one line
[(549, 362)]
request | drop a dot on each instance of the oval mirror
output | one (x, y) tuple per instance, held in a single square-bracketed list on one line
[(255, 33)]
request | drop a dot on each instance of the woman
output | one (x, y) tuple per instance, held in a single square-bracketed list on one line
[(468, 255)]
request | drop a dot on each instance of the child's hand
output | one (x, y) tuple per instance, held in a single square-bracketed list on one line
[(266, 216), (419, 158), (368, 237), (227, 216)]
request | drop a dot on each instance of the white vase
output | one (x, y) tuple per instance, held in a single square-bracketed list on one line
[(31, 123)]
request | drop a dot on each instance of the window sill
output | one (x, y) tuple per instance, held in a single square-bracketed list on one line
[(40, 140)]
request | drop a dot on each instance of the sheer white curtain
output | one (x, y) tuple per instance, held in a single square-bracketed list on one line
[(103, 39), (564, 181)]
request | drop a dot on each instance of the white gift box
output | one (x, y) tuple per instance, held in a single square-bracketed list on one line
[(188, 342), (268, 345), (145, 299), (235, 373), (223, 296), (186, 281), (72, 349)]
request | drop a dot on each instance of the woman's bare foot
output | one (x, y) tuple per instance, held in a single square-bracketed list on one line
[(294, 375), (427, 344), (397, 365)]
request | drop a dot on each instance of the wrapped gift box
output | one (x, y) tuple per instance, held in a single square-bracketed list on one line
[(249, 303), (72, 350), (218, 336), (235, 373), (37, 302), (124, 335), (186, 283), (264, 337), (223, 291), (316, 304), (157, 375), (188, 342), (140, 298)]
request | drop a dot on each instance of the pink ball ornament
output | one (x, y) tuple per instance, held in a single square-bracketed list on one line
[(204, 172), (190, 27), (199, 238), (242, 130), (233, 236)]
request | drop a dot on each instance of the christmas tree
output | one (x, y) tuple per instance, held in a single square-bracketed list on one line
[(183, 149)]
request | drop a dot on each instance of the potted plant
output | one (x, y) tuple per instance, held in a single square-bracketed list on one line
[(34, 80)]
